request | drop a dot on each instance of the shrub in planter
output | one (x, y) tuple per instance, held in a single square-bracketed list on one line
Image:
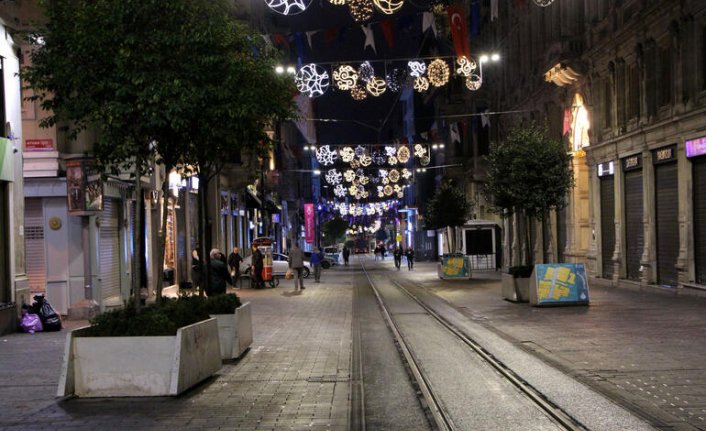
[(522, 271), (222, 304)]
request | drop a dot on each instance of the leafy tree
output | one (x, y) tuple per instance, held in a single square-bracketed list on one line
[(447, 209), (334, 229), (529, 174), (179, 85)]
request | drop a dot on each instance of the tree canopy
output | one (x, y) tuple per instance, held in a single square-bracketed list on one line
[(448, 207), (334, 229)]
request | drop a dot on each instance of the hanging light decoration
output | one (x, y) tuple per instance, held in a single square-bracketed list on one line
[(474, 82), (543, 3), (387, 190), (379, 158), (359, 93), (347, 154), (365, 160), (390, 150), (334, 177), (403, 154), (349, 175), (288, 7), (345, 77), (416, 68), (421, 84), (420, 150), (359, 150), (438, 6), (339, 191), (364, 180), (386, 181), (394, 80), (438, 72), (312, 80), (337, 2), (466, 66), (382, 173), (406, 173), (361, 10), (392, 160), (355, 164), (424, 160), (388, 7), (325, 155), (366, 71), (394, 175), (376, 86)]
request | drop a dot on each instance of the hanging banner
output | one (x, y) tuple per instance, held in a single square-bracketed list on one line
[(459, 30), (6, 172), (309, 223)]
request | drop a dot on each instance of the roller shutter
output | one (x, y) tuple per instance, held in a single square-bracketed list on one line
[(110, 249), (607, 224), (34, 245), (667, 213), (634, 229), (699, 178)]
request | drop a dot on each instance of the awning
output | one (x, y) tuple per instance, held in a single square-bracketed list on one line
[(251, 200)]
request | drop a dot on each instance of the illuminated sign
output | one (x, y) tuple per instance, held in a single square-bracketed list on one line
[(605, 169), (309, 223), (632, 162), (559, 284), (696, 147), (39, 145)]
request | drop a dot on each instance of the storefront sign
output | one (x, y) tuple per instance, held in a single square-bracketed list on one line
[(605, 169), (559, 284), (632, 162), (39, 145), (6, 160), (696, 147), (309, 223), (84, 187), (666, 154)]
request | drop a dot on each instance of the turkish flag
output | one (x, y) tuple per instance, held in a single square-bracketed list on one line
[(459, 30)]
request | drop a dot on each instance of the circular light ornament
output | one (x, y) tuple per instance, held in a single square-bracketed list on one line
[(394, 80), (312, 80), (387, 190), (347, 154), (416, 68), (366, 160), (325, 155), (353, 189), (334, 177), (421, 84), (359, 93), (474, 82), (345, 77), (424, 160), (349, 175), (361, 10), (403, 154), (388, 7), (438, 72), (379, 158), (288, 7), (339, 191), (364, 180), (543, 3), (376, 86), (394, 175), (465, 66), (337, 2), (359, 150), (366, 71)]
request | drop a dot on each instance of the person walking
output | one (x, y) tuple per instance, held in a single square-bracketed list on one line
[(346, 255), (234, 261), (397, 254), (410, 258), (218, 275), (296, 263), (317, 257), (258, 263), (377, 252)]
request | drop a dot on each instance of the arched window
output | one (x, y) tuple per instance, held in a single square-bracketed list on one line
[(578, 136)]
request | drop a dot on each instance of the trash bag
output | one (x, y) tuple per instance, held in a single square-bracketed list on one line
[(50, 318), (30, 322)]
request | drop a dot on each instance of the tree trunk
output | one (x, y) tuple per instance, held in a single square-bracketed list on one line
[(138, 238), (163, 230), (204, 230)]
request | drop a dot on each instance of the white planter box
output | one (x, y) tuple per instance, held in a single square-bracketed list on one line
[(139, 366), (235, 331)]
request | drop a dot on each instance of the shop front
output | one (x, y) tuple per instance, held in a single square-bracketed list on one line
[(606, 180)]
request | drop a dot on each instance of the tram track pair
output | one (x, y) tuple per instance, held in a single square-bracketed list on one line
[(432, 403)]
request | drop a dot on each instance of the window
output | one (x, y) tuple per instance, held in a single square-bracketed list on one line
[(607, 105), (665, 78), (633, 92), (620, 91)]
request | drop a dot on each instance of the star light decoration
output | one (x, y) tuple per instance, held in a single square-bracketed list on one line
[(288, 7), (312, 80), (388, 7), (325, 155), (345, 77), (438, 72), (360, 10), (376, 86)]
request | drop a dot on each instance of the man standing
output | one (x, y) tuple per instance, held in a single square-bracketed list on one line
[(397, 254), (316, 258), (296, 263), (258, 262), (410, 258), (346, 255), (234, 261), (218, 275)]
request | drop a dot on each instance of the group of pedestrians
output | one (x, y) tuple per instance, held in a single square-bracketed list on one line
[(399, 252)]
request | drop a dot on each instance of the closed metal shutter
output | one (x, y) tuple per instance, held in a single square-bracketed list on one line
[(667, 211), (634, 229), (110, 249), (699, 178), (34, 245), (607, 224)]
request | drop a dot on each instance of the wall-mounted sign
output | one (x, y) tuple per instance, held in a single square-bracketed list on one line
[(309, 223), (39, 145), (664, 155), (6, 171), (84, 187), (606, 168), (559, 284), (632, 162), (696, 147)]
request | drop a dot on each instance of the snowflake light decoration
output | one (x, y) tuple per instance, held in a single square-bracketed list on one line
[(416, 68), (392, 160), (334, 177), (339, 191), (379, 158), (349, 175), (365, 160), (347, 154), (375, 180), (376, 86), (465, 66), (288, 7), (359, 150), (325, 155), (438, 72), (312, 80), (474, 82), (390, 151), (366, 71), (361, 10), (388, 7), (359, 93), (419, 150), (403, 154), (394, 175), (345, 77), (421, 84), (382, 173)]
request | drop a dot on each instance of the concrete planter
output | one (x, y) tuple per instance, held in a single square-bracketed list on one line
[(139, 366), (235, 331), (515, 289), (8, 318)]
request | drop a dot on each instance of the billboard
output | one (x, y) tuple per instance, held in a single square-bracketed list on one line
[(458, 266), (559, 284)]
